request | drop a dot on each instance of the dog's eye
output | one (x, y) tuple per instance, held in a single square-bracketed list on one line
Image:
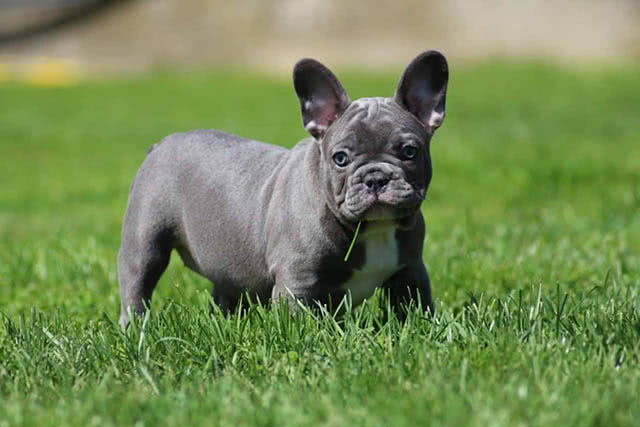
[(409, 151), (341, 158)]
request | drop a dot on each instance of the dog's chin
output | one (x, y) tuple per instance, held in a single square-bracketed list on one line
[(383, 212)]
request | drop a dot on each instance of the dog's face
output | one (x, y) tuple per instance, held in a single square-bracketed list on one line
[(375, 151), (376, 161)]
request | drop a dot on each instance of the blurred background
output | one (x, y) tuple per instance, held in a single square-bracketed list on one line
[(58, 39)]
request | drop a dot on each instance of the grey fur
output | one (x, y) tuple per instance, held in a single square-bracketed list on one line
[(274, 223)]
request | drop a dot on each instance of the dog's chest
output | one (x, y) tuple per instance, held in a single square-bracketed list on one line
[(381, 262)]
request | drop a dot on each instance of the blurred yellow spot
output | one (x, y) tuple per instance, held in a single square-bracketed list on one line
[(4, 73), (50, 73)]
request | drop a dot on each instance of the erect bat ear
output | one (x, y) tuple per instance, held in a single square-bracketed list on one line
[(422, 89), (322, 97)]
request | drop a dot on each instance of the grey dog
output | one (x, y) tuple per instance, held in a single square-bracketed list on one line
[(271, 223)]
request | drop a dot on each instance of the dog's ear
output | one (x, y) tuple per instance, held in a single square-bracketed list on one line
[(322, 97), (422, 89)]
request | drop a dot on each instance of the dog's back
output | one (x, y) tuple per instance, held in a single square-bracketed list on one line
[(178, 200)]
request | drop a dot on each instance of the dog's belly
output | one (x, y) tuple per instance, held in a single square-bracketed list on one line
[(381, 262), (231, 275)]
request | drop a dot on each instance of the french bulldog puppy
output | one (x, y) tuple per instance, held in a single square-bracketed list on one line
[(274, 223)]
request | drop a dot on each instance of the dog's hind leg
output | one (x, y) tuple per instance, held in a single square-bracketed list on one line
[(143, 257)]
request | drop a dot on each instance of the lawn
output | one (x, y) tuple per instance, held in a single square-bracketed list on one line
[(533, 245)]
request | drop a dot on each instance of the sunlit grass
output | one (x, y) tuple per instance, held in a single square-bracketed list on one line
[(533, 246)]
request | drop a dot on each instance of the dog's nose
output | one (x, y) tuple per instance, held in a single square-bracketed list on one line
[(376, 180)]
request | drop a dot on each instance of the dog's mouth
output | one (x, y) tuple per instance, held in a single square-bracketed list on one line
[(392, 204)]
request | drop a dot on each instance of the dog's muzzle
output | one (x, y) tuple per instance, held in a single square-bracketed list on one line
[(380, 191)]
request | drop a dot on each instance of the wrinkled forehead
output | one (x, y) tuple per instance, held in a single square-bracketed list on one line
[(379, 118)]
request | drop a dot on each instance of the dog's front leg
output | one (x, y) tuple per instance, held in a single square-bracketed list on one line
[(411, 284)]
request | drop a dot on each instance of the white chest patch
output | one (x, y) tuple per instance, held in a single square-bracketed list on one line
[(381, 262)]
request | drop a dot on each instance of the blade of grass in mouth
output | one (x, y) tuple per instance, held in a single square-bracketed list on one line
[(353, 242)]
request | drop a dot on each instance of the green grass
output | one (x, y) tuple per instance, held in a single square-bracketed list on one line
[(533, 245)]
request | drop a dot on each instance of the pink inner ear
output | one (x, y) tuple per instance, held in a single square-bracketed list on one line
[(315, 129), (425, 111), (323, 112), (436, 119)]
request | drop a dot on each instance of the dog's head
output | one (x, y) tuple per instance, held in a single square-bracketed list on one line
[(375, 161)]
